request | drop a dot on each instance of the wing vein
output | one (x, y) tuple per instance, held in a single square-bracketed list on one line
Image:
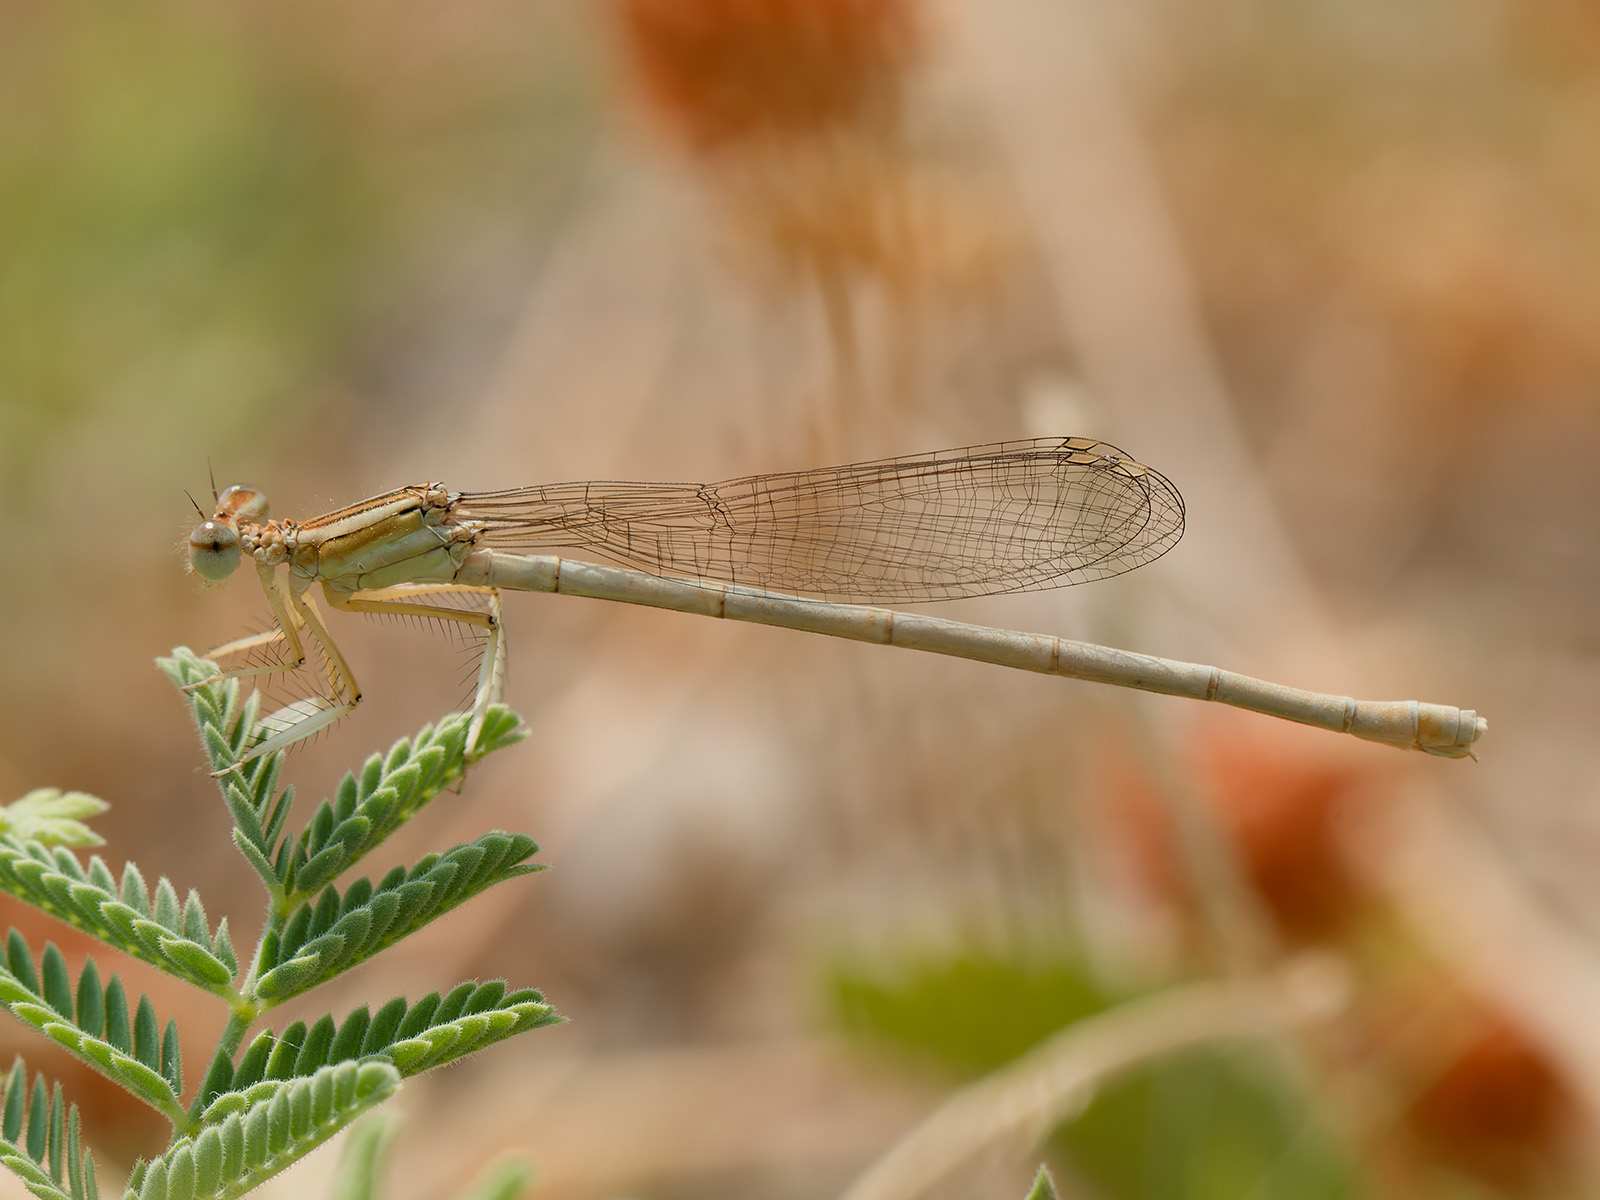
[(1004, 517)]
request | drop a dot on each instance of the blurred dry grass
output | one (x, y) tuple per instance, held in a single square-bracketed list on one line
[(1331, 267)]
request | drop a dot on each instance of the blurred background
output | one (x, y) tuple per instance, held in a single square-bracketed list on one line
[(1334, 268)]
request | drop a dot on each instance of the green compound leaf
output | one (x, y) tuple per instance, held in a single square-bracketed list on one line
[(416, 1038), (40, 1141), (246, 1137), (93, 1024), (320, 940), (52, 817), (389, 791), (227, 727), (470, 1017), (367, 808), (122, 915)]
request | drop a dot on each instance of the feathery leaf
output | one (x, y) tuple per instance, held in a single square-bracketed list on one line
[(366, 808), (388, 792), (415, 1038), (48, 1158), (123, 916), (52, 817), (52, 1012), (247, 1137), (320, 940)]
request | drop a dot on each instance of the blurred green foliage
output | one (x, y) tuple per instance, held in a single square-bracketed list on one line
[(1205, 1125), (203, 209), (968, 1012), (173, 229)]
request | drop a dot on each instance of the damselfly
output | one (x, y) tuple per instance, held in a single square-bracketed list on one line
[(807, 550)]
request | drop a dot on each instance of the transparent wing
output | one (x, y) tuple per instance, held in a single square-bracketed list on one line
[(1004, 517)]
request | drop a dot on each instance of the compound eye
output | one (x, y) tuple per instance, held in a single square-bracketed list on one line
[(213, 550), (243, 503)]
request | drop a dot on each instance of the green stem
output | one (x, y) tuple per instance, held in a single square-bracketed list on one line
[(245, 1009), (239, 1022), (274, 925)]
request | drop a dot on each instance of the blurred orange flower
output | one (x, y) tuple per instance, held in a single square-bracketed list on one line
[(868, 215), (796, 112), (1281, 810), (1480, 1094), (1498, 1107), (725, 71)]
